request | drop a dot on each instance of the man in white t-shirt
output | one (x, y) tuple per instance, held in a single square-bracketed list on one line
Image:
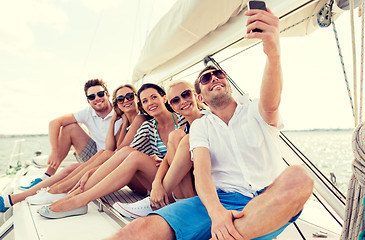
[(243, 192), (65, 131)]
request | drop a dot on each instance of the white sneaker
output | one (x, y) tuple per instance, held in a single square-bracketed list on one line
[(44, 197), (134, 210)]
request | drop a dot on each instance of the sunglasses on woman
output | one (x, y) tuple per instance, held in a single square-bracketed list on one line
[(207, 77), (92, 96), (128, 96), (185, 95)]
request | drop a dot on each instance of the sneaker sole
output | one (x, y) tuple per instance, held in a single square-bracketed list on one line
[(45, 202), (125, 212)]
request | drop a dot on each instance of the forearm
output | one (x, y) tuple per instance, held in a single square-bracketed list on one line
[(121, 137), (207, 193), (110, 142), (161, 172), (272, 84), (54, 129)]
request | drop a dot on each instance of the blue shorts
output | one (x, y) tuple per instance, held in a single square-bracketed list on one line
[(190, 220)]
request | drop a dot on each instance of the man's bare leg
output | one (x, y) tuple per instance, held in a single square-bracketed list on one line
[(281, 201), (70, 135), (152, 227)]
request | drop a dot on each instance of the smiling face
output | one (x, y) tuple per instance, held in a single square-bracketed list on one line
[(182, 99), (152, 102), (216, 92), (128, 104), (99, 104)]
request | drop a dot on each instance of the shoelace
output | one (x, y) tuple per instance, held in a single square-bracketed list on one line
[(43, 190)]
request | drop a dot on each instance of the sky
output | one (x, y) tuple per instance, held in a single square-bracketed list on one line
[(49, 49)]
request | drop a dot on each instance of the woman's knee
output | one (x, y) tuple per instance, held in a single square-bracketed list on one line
[(136, 157), (70, 168), (175, 137)]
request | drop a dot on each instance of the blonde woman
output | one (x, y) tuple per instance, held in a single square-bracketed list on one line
[(173, 179)]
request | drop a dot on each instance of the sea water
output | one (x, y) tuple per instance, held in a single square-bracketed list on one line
[(329, 150)]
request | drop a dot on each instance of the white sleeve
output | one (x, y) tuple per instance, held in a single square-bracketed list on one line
[(82, 116), (198, 136)]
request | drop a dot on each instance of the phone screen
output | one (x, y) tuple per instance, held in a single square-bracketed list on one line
[(256, 5)]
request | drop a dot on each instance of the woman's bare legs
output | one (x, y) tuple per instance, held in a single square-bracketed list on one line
[(67, 183), (64, 178), (178, 178), (136, 164), (15, 198)]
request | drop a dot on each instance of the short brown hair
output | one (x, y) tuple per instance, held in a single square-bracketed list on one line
[(95, 82), (196, 84)]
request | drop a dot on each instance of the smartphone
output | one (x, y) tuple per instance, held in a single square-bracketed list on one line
[(256, 5)]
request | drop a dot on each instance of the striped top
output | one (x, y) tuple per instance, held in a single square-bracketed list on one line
[(145, 139)]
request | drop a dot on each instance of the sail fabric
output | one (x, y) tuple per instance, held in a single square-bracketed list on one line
[(193, 29), (354, 221), (179, 29)]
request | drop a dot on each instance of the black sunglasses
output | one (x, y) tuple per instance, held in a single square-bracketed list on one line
[(92, 96), (205, 78), (185, 95), (128, 96)]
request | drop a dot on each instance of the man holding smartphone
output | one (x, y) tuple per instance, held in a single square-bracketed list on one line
[(242, 191)]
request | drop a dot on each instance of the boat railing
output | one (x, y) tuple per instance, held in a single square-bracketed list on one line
[(17, 155)]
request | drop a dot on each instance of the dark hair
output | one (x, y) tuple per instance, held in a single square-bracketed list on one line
[(196, 83), (114, 100), (160, 91), (95, 82)]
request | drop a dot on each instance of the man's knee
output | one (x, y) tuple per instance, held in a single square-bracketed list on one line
[(144, 228), (70, 128), (297, 184), (135, 228)]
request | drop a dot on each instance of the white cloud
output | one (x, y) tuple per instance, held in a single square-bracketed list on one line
[(17, 24), (97, 5)]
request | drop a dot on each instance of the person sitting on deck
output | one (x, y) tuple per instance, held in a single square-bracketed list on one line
[(174, 176), (65, 131), (134, 166), (243, 193), (56, 187)]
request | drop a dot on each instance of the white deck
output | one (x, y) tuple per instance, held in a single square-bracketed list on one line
[(29, 225), (93, 225)]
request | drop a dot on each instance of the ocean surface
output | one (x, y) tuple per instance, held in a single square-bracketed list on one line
[(330, 151)]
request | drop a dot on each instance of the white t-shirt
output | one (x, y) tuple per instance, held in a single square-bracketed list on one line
[(97, 126), (244, 155)]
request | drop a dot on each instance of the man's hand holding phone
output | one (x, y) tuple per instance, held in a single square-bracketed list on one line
[(256, 5)]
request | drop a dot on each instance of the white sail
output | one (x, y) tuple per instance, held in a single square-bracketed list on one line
[(194, 29)]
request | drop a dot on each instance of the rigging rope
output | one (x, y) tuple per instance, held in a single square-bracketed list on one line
[(362, 60), (354, 58), (344, 70), (354, 221)]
